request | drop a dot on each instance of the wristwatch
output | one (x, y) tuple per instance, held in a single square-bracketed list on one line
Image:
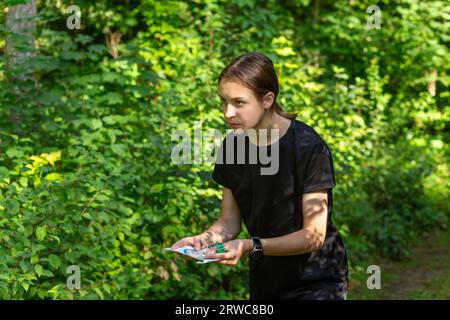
[(257, 250)]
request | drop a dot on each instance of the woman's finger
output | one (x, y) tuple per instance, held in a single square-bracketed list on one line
[(177, 245), (221, 256), (197, 243), (230, 263), (182, 242)]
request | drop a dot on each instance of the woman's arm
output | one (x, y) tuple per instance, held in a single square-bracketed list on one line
[(308, 239), (228, 226)]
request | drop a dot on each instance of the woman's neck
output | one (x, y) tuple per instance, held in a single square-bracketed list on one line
[(271, 121)]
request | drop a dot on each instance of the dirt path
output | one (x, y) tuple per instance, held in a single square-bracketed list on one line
[(425, 275)]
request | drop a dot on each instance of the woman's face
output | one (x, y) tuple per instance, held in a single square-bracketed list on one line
[(241, 108)]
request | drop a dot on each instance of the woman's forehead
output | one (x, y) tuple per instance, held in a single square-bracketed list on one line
[(233, 90)]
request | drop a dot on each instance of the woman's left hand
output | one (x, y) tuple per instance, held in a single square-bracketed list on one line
[(235, 249)]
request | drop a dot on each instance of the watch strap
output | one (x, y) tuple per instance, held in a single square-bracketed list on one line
[(257, 245)]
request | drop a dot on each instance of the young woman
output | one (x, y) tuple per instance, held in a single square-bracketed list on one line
[(295, 251)]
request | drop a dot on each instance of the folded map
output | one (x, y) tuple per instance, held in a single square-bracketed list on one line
[(196, 254)]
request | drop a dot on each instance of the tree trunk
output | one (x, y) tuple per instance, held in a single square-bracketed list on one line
[(18, 49), (20, 44), (316, 11)]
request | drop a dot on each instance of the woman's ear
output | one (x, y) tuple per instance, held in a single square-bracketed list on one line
[(268, 100)]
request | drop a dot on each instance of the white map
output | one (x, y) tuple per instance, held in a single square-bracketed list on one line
[(196, 254)]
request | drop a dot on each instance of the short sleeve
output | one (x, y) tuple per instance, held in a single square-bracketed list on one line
[(219, 174), (319, 171)]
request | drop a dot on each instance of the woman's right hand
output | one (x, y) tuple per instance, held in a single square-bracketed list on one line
[(193, 241)]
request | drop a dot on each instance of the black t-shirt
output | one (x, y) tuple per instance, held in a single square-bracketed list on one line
[(269, 208)]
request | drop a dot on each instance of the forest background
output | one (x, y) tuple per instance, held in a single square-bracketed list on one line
[(87, 112)]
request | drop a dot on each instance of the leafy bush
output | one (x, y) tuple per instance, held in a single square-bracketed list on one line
[(85, 143)]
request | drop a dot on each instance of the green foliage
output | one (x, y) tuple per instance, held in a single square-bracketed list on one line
[(84, 143)]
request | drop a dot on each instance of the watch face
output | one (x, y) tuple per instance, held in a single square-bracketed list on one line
[(257, 245), (257, 248)]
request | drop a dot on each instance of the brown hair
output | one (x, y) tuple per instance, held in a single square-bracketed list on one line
[(256, 71)]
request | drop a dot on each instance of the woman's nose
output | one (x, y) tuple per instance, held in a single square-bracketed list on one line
[(230, 111)]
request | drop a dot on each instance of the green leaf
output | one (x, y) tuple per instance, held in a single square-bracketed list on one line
[(41, 232), (148, 255), (157, 188), (83, 39), (96, 124), (48, 273), (72, 55), (148, 75), (54, 177), (109, 119), (113, 98), (102, 197), (54, 261), (12, 206), (28, 230), (97, 49), (23, 181), (34, 259), (37, 247), (113, 77), (14, 252), (99, 293), (26, 286), (38, 269), (14, 153), (119, 149), (26, 266), (4, 277), (4, 172)]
